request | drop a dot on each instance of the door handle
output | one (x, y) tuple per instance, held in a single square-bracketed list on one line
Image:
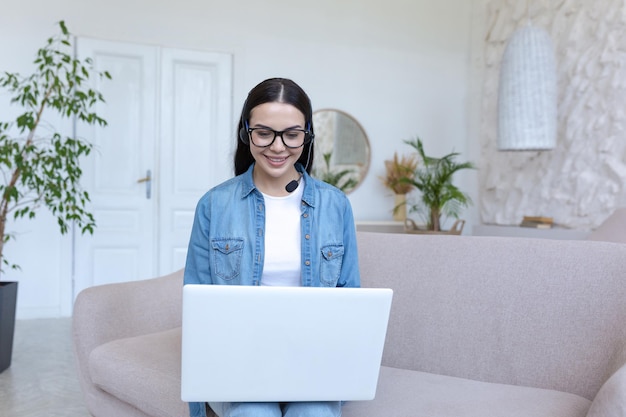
[(148, 180)]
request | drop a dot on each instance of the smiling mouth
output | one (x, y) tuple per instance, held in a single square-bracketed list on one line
[(277, 160)]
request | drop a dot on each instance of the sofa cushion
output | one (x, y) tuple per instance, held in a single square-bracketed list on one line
[(403, 393), (611, 399), (143, 371)]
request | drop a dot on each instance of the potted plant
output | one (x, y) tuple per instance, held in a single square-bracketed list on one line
[(40, 165), (438, 195), (341, 179), (395, 170)]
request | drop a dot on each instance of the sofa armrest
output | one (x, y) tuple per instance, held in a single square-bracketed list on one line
[(610, 401), (115, 311)]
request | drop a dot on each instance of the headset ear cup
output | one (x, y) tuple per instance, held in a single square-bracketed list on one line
[(243, 136), (310, 134)]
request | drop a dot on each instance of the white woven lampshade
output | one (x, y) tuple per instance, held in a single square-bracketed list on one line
[(527, 106)]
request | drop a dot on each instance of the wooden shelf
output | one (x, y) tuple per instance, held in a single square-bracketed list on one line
[(380, 226), (517, 231)]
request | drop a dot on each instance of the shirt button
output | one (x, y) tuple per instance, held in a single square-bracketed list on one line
[(329, 254), (307, 263), (307, 237), (305, 215)]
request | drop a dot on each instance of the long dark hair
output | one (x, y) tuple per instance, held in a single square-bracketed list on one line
[(280, 90)]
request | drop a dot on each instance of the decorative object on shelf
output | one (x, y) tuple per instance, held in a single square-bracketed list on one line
[(396, 169), (438, 195), (343, 138), (399, 207), (41, 165), (527, 92), (341, 178), (538, 222)]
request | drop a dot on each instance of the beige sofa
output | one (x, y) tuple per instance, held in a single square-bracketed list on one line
[(612, 229), (480, 326)]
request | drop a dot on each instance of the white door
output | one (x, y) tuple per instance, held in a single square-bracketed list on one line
[(167, 142), (196, 141)]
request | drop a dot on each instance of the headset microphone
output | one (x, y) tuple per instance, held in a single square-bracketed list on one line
[(293, 184), (291, 187)]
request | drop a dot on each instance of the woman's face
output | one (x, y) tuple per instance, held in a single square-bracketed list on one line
[(274, 166)]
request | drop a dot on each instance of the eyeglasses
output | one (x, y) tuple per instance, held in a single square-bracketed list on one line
[(264, 137)]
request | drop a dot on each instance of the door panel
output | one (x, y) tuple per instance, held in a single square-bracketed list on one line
[(123, 245), (194, 121)]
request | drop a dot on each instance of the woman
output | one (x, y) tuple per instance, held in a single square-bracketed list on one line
[(273, 224)]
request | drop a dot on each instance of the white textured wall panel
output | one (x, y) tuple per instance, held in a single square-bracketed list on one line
[(583, 179)]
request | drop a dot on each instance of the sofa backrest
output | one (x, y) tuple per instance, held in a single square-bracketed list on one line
[(613, 228), (536, 312)]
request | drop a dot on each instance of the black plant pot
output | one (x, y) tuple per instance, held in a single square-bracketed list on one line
[(8, 301)]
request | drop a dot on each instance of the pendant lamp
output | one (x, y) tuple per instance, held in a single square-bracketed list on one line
[(527, 106)]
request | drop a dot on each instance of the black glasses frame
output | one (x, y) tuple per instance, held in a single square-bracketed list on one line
[(307, 137)]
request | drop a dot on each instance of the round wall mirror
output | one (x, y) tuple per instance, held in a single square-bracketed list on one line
[(342, 149)]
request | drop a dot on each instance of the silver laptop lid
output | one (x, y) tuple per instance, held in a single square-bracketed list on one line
[(244, 343)]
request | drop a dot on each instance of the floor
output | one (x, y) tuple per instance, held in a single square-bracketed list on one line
[(42, 379)]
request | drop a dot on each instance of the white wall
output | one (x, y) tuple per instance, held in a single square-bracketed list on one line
[(400, 67)]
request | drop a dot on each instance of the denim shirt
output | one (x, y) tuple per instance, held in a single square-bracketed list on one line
[(228, 238)]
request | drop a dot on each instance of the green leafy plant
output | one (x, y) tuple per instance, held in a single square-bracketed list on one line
[(433, 178), (40, 165), (341, 179)]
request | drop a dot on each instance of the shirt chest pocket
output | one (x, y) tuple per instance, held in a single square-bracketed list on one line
[(330, 268), (226, 255)]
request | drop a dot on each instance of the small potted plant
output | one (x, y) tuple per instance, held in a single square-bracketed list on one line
[(342, 179), (439, 197), (40, 165), (398, 171)]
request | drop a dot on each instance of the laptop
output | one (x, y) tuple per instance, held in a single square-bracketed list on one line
[(282, 344)]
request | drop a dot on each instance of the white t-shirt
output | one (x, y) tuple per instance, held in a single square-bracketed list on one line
[(282, 239)]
